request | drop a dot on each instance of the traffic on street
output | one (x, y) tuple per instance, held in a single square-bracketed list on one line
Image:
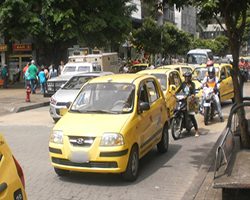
[(166, 176)]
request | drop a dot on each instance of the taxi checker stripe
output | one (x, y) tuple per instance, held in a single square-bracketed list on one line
[(151, 138)]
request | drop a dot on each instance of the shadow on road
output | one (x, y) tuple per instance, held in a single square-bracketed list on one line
[(149, 164)]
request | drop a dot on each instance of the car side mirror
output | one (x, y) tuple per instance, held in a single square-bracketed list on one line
[(144, 106), (222, 77), (172, 88), (63, 111)]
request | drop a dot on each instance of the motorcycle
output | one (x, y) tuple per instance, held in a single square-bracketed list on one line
[(209, 104), (181, 119)]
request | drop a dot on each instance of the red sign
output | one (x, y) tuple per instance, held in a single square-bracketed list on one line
[(22, 47), (3, 47)]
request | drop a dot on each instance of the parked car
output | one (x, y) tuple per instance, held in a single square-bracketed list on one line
[(170, 81), (69, 90), (113, 122), (12, 182), (70, 69)]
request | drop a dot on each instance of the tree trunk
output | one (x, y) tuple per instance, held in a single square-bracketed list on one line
[(238, 92)]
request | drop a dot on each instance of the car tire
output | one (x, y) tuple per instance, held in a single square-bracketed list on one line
[(162, 146), (131, 172), (61, 172), (233, 100)]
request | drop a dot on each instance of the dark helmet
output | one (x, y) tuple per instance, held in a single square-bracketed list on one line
[(187, 74), (211, 72)]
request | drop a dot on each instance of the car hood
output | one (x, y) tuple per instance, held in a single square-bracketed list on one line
[(82, 124), (65, 95)]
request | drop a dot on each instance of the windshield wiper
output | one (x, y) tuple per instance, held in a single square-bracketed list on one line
[(98, 111)]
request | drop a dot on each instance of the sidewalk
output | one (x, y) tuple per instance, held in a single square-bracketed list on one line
[(12, 99)]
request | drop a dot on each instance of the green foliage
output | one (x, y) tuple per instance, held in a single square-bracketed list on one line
[(55, 24)]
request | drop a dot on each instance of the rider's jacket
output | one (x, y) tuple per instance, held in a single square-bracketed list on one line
[(211, 82)]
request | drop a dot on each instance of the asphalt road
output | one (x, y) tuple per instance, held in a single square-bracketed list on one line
[(167, 176)]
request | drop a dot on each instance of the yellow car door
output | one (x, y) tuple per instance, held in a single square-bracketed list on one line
[(223, 84), (11, 176)]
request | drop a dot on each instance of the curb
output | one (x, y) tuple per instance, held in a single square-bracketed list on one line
[(30, 107), (193, 190)]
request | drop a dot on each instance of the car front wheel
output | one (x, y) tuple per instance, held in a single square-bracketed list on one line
[(61, 172), (131, 172)]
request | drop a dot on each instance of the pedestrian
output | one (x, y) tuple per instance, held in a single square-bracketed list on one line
[(24, 71), (42, 80), (52, 72), (32, 70), (5, 76), (61, 67), (17, 74)]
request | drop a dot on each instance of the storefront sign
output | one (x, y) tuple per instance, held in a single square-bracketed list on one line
[(22, 47), (3, 47)]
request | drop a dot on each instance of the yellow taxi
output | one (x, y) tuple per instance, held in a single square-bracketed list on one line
[(170, 82), (11, 175), (181, 68), (223, 73), (138, 67), (113, 122)]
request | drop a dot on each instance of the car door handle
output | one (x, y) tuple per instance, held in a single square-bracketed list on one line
[(3, 187)]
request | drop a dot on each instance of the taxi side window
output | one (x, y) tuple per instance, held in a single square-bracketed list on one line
[(177, 80), (228, 71), (143, 95), (171, 79), (153, 92), (223, 74)]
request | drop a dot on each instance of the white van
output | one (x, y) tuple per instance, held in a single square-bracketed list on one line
[(72, 68), (199, 56)]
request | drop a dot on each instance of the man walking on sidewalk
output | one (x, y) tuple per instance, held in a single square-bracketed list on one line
[(5, 76), (33, 76)]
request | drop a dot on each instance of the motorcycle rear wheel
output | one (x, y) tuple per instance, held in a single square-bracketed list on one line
[(176, 127)]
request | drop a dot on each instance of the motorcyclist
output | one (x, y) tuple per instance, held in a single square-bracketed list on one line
[(188, 88), (209, 80)]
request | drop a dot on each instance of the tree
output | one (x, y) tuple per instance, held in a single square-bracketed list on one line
[(55, 25)]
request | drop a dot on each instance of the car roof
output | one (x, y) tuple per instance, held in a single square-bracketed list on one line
[(175, 66), (97, 73), (77, 64), (155, 71), (121, 78)]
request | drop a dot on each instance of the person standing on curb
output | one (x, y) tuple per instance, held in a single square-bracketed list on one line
[(5, 76), (42, 80), (32, 75)]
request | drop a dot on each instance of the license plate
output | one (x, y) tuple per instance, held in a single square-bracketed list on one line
[(79, 156), (207, 104)]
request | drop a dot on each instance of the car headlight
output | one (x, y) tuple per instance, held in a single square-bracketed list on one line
[(56, 137), (112, 139), (52, 101)]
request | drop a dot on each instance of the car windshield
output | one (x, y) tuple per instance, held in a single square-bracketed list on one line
[(196, 58), (75, 83), (83, 69), (112, 98), (201, 72), (162, 78)]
